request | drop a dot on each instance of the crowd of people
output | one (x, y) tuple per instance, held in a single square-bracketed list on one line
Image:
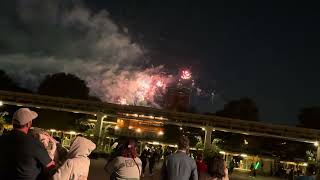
[(38, 156), (35, 155), (124, 163), (152, 157)]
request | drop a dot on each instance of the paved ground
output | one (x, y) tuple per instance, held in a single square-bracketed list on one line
[(97, 173)]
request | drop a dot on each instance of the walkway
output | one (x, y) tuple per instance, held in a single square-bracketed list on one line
[(97, 172)]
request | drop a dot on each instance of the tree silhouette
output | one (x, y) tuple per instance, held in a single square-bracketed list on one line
[(64, 85), (309, 117), (244, 108), (6, 83), (173, 132)]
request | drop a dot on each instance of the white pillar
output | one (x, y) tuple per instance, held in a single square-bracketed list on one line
[(141, 147), (318, 153), (207, 137), (99, 124)]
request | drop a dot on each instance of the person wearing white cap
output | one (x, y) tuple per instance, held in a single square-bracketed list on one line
[(22, 156)]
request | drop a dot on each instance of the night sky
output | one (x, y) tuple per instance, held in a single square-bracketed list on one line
[(266, 50)]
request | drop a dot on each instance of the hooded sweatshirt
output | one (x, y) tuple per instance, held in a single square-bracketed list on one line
[(77, 165)]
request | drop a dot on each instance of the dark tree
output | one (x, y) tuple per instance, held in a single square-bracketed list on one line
[(310, 117), (244, 108), (173, 132), (6, 83), (64, 85)]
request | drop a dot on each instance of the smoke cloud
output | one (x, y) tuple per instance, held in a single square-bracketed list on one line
[(40, 37)]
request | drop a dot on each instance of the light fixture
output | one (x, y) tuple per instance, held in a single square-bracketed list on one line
[(130, 127), (1, 103), (160, 133), (222, 152), (305, 164), (155, 143), (116, 127), (203, 129), (243, 155), (138, 130), (180, 128), (53, 130), (316, 143), (246, 142)]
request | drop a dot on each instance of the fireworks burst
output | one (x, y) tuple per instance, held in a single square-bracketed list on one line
[(144, 88), (159, 84), (186, 74), (122, 101)]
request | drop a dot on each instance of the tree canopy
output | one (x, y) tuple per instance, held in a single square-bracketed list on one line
[(64, 85), (244, 108), (7, 83), (309, 117)]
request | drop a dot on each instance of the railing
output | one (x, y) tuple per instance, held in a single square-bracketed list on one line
[(167, 117)]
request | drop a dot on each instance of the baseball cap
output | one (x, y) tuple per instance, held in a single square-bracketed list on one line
[(23, 115)]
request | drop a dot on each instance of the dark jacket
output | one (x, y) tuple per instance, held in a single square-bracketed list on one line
[(179, 166)]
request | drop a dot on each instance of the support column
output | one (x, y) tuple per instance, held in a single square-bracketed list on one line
[(318, 153), (141, 147), (99, 124), (207, 137)]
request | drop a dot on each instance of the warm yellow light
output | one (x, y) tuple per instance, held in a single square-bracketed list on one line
[(91, 135), (222, 152), (180, 128), (116, 127), (160, 133), (155, 143), (203, 129), (305, 164), (1, 103), (316, 143), (243, 155), (138, 130), (130, 127), (72, 132), (246, 142), (53, 130)]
